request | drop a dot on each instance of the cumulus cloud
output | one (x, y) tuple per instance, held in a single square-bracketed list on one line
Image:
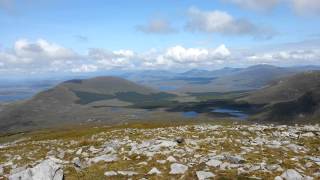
[(301, 7), (309, 7), (255, 4), (41, 49), (290, 57), (224, 23), (85, 68), (182, 55), (179, 56), (42, 56), (112, 59), (157, 26), (7, 5)]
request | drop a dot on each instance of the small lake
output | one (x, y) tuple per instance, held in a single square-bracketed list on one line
[(190, 114), (16, 97), (231, 112), (168, 88)]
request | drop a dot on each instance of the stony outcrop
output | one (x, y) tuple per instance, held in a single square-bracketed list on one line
[(46, 170)]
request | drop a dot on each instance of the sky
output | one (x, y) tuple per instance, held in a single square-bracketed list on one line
[(78, 36)]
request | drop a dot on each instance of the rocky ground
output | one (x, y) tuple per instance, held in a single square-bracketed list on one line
[(203, 151)]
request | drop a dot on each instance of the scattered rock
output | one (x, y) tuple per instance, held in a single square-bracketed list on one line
[(171, 159), (77, 162), (178, 168), (296, 148), (273, 167), (154, 171), (1, 170), (110, 173), (105, 158), (291, 174), (203, 175), (235, 159), (308, 165), (61, 154), (308, 134), (93, 149), (316, 160), (213, 163), (146, 146), (79, 151), (278, 178), (127, 173), (143, 163), (161, 161)]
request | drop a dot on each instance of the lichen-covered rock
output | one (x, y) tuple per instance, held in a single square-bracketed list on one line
[(203, 175), (46, 170), (127, 173), (154, 171), (105, 158), (1, 170), (291, 174), (235, 159), (213, 163), (178, 168), (110, 173)]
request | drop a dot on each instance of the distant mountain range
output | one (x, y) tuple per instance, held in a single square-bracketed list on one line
[(222, 80), (195, 80), (285, 95)]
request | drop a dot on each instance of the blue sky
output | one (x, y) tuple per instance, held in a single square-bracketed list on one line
[(101, 35)]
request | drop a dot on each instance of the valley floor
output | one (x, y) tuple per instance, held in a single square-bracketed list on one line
[(193, 151)]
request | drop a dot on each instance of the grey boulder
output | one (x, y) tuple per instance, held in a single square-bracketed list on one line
[(46, 170)]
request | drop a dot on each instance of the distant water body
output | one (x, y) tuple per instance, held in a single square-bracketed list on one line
[(168, 88), (190, 114), (16, 97), (234, 113)]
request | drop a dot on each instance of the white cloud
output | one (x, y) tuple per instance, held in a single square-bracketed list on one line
[(38, 56), (290, 57), (224, 23), (112, 59), (310, 7), (85, 68), (7, 5), (182, 55), (157, 26), (301, 7), (42, 56), (179, 56), (255, 4), (41, 49)]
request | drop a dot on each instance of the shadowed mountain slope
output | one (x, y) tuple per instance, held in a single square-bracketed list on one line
[(290, 99)]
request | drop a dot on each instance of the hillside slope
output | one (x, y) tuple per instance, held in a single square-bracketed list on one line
[(287, 89), (293, 98), (77, 101)]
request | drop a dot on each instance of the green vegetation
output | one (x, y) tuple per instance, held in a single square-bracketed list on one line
[(139, 100), (89, 97), (219, 95)]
